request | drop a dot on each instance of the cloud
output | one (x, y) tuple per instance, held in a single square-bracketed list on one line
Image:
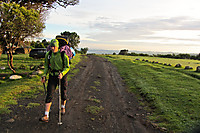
[(131, 23), (142, 28)]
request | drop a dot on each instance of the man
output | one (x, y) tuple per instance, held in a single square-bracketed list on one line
[(55, 62)]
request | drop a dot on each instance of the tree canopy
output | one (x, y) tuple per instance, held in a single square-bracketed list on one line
[(44, 3), (73, 38), (17, 23)]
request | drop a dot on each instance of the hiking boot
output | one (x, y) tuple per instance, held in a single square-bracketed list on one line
[(44, 119), (62, 111)]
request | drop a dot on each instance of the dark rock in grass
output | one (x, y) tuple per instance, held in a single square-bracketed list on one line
[(165, 64), (25, 74), (32, 67), (143, 59), (178, 65), (188, 67), (37, 72), (22, 67), (32, 76), (153, 61), (198, 69), (2, 77), (169, 65), (147, 61), (137, 59), (41, 67)]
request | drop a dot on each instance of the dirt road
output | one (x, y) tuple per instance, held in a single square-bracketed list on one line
[(98, 103)]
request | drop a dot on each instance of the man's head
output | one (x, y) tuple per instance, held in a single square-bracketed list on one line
[(54, 45)]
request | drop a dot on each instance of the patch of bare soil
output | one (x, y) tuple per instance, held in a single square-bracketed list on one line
[(98, 102)]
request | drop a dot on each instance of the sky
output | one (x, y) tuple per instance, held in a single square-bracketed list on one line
[(141, 25)]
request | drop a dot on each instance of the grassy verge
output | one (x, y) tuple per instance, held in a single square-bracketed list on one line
[(12, 90), (172, 95)]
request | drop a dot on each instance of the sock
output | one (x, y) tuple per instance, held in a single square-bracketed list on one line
[(62, 106), (47, 114)]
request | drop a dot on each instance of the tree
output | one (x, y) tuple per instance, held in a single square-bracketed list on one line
[(39, 44), (84, 50), (73, 38), (17, 23), (123, 52), (45, 43), (44, 3)]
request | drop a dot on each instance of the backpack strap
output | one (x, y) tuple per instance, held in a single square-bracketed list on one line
[(62, 56), (49, 57)]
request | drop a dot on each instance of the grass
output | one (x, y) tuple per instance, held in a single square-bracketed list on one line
[(172, 95), (95, 110), (173, 62), (20, 61), (31, 105), (93, 99), (97, 83), (12, 90), (94, 88)]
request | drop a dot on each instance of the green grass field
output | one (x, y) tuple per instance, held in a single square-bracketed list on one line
[(19, 61), (173, 62), (171, 94), (12, 90)]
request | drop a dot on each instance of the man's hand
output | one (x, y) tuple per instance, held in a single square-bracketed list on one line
[(43, 79), (60, 76)]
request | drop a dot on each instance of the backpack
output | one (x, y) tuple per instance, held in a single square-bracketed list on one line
[(64, 48), (73, 52), (64, 45)]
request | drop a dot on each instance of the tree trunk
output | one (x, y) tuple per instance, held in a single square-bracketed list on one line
[(1, 50), (10, 61)]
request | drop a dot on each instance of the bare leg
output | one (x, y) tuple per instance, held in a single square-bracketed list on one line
[(64, 102), (46, 117), (63, 107), (47, 107)]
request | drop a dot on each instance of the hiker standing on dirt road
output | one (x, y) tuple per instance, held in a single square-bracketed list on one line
[(54, 63)]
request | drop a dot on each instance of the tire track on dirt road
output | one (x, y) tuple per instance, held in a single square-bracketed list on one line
[(113, 96)]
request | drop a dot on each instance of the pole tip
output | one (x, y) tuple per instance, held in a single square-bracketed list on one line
[(59, 123)]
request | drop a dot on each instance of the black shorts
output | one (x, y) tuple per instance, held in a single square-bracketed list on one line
[(52, 84)]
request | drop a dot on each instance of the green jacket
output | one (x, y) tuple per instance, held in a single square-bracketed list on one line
[(56, 63)]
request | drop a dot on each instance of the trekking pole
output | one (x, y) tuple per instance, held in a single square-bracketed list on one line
[(45, 91), (59, 95)]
